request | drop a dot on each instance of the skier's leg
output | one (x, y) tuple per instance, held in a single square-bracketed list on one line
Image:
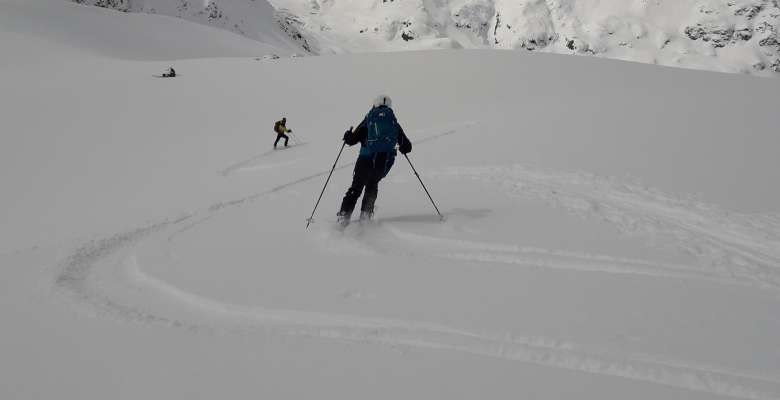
[(359, 179), (352, 195), (350, 199), (369, 198), (278, 136), (286, 139), (378, 171), (370, 193)]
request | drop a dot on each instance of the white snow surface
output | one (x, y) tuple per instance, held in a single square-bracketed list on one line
[(254, 19), (612, 230)]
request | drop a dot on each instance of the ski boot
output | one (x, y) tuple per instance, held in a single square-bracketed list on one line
[(343, 218), (367, 208), (366, 216)]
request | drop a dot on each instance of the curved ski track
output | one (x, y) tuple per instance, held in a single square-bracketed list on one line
[(732, 247), (84, 278)]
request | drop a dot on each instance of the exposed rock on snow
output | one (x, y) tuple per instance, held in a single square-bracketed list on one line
[(292, 25)]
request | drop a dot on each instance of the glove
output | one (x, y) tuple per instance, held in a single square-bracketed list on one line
[(289, 130), (405, 147), (347, 134)]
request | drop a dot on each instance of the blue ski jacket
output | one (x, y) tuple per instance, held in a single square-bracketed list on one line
[(360, 134)]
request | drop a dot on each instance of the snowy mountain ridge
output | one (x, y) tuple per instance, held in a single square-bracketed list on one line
[(720, 35), (725, 35), (255, 19)]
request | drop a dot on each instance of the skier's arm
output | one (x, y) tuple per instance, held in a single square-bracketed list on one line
[(353, 137), (404, 145)]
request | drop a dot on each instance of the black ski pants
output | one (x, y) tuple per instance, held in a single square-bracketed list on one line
[(279, 136), (368, 172)]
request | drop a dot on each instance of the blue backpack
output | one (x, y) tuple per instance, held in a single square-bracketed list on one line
[(382, 134)]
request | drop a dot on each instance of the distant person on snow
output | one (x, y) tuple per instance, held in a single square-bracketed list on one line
[(377, 134), (170, 74), (281, 129)]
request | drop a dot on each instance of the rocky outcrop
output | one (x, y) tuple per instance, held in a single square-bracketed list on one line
[(292, 26)]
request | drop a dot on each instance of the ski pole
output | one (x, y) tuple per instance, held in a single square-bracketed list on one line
[(309, 220), (424, 188)]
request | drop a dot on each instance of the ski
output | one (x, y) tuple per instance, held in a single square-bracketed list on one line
[(289, 146)]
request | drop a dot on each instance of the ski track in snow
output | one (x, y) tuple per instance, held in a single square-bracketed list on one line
[(263, 167), (105, 275), (465, 250), (733, 247), (248, 163)]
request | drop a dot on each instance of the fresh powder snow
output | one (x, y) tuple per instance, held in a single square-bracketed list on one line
[(612, 229)]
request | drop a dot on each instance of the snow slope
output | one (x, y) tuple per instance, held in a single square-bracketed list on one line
[(612, 229), (114, 34), (255, 19)]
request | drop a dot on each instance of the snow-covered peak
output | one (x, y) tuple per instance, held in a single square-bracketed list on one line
[(723, 35)]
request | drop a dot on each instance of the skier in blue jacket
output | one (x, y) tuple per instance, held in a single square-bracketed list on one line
[(378, 134)]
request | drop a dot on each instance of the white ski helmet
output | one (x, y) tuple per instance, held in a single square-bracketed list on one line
[(383, 100)]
